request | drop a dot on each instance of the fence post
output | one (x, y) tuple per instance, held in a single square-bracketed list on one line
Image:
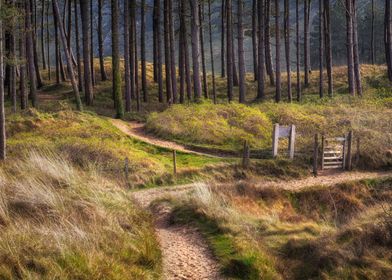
[(174, 162), (349, 150), (245, 155), (292, 142), (315, 155), (322, 151), (275, 140)]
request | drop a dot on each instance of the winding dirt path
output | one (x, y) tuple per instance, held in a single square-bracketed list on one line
[(136, 130), (185, 253)]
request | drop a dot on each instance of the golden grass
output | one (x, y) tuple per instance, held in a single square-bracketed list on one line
[(59, 222)]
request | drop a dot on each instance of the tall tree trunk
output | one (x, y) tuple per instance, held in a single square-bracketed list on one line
[(92, 41), (321, 49), (13, 59), (67, 52), (132, 7), (350, 47), (2, 111), (277, 52), (48, 41), (211, 53), (287, 47), (261, 51), (104, 77), (134, 54), (157, 7), (116, 60), (388, 37), (357, 66), (88, 84), (372, 55), (203, 58), (169, 93), (181, 68), (267, 40), (172, 54), (143, 49), (241, 58), (23, 74), (307, 68), (254, 38), (77, 45), (194, 4), (155, 26), (57, 49), (127, 64), (39, 83), (30, 54), (298, 52), (223, 18), (43, 34), (229, 53), (328, 45)]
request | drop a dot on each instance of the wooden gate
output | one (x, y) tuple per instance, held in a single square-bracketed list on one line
[(333, 153)]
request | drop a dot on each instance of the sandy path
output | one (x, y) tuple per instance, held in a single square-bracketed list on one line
[(327, 179), (136, 130), (185, 253)]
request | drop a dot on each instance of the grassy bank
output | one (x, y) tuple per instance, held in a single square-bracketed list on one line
[(316, 233)]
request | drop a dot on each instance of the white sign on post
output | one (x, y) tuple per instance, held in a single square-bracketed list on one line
[(283, 132)]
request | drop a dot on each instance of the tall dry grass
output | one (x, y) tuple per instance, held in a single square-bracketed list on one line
[(59, 222)]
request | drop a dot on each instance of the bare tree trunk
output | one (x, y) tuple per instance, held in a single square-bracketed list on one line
[(169, 93), (261, 50), (194, 4), (157, 7), (172, 55), (104, 77), (127, 64), (328, 45), (254, 38), (181, 67), (57, 49), (39, 83), (287, 47), (372, 55), (2, 111), (23, 74), (307, 41), (357, 66), (277, 52), (135, 57), (116, 59), (211, 53), (143, 49), (268, 54), (350, 47), (48, 42), (298, 52), (321, 49), (13, 58), (229, 47), (77, 45), (155, 26), (92, 41), (388, 37), (67, 52), (88, 84), (30, 54), (203, 58), (241, 58), (43, 34), (223, 18)]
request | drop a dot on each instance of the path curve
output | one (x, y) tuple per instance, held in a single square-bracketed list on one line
[(185, 253), (136, 130)]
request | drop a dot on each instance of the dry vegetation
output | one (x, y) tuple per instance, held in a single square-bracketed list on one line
[(317, 233), (58, 222)]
